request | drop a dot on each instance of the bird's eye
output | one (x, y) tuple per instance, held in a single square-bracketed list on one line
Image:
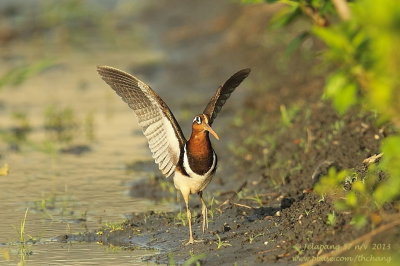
[(197, 119)]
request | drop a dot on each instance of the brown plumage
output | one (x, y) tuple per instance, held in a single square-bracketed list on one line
[(193, 162), (199, 149)]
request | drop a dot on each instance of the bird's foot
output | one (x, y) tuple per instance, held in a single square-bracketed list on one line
[(192, 241)]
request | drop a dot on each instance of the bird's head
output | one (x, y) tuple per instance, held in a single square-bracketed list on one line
[(200, 124)]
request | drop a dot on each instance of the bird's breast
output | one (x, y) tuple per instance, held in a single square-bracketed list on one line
[(199, 158)]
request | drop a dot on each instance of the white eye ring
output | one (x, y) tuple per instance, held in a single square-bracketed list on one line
[(197, 119)]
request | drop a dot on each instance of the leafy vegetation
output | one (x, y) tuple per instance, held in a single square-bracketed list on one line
[(363, 60)]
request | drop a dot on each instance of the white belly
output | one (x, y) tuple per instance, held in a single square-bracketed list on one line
[(191, 184)]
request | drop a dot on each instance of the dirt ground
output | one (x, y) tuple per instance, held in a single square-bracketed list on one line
[(262, 205)]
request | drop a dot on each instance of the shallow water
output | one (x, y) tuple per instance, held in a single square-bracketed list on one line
[(67, 193)]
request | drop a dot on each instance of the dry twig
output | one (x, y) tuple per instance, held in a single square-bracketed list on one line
[(373, 158), (342, 9)]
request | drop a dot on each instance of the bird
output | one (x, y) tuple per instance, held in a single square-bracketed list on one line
[(193, 162)]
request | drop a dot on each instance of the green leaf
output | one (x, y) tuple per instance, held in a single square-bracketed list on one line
[(332, 182), (333, 37), (285, 17), (351, 199), (390, 189), (342, 91), (341, 205), (359, 220), (295, 43)]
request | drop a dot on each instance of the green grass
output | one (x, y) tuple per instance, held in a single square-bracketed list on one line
[(22, 227), (220, 243), (114, 226), (181, 218), (253, 237), (297, 247), (331, 219), (257, 199), (23, 250)]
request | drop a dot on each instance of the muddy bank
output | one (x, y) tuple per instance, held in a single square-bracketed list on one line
[(265, 221)]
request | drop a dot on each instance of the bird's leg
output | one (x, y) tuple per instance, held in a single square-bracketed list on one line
[(204, 211), (189, 216)]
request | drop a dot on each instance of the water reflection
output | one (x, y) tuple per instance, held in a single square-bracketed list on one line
[(69, 194), (72, 254)]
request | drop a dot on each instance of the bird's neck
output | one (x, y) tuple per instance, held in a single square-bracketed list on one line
[(199, 152), (199, 144)]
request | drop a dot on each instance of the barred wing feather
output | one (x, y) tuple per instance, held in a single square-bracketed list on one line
[(223, 93), (159, 125)]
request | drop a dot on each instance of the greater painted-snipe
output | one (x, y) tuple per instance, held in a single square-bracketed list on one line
[(192, 161)]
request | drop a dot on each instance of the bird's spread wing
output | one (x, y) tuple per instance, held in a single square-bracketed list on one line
[(223, 93), (159, 125)]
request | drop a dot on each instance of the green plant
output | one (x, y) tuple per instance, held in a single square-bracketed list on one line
[(331, 219), (253, 237), (23, 249), (257, 199), (180, 218), (220, 243), (287, 115), (113, 226), (359, 199), (22, 227), (213, 207), (361, 52), (298, 248)]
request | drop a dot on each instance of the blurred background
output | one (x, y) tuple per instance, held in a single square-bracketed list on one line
[(72, 155)]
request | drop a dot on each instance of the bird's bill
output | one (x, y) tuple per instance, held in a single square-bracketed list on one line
[(209, 129)]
